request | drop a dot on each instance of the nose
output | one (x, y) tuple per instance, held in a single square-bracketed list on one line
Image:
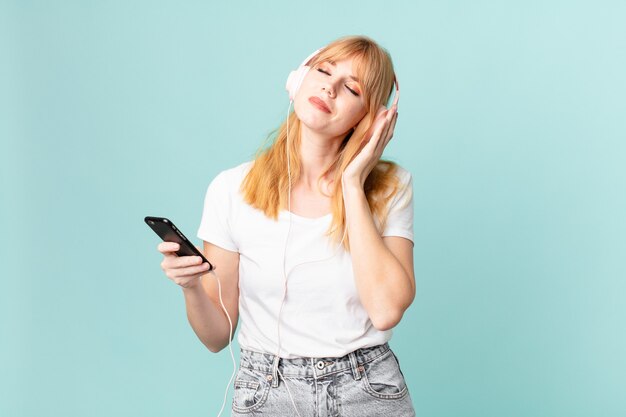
[(328, 89)]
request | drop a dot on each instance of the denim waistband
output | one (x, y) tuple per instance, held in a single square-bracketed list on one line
[(315, 368)]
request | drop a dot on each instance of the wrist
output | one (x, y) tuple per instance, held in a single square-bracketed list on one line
[(353, 194), (193, 285), (351, 185)]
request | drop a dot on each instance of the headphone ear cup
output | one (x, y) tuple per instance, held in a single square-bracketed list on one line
[(297, 76), (295, 80)]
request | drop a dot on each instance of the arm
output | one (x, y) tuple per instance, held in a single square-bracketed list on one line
[(383, 266), (200, 290)]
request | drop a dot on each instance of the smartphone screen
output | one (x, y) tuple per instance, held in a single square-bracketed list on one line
[(170, 233)]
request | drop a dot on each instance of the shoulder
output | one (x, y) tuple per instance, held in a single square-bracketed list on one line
[(401, 193), (390, 170), (392, 178), (231, 179), (226, 184), (404, 176), (234, 174)]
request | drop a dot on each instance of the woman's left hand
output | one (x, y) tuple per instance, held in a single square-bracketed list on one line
[(382, 131)]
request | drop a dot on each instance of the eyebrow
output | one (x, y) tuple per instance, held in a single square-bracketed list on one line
[(334, 65)]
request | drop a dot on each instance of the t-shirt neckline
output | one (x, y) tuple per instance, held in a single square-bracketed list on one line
[(302, 219)]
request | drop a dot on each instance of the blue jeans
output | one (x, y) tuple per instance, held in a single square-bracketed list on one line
[(366, 382)]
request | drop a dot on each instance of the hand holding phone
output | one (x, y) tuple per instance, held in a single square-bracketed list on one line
[(183, 261)]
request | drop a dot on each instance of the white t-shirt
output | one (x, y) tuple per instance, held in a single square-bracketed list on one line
[(322, 315)]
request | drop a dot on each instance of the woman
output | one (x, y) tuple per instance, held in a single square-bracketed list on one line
[(313, 247)]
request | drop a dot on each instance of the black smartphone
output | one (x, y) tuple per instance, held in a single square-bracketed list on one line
[(170, 233)]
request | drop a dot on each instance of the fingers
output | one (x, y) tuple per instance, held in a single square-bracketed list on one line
[(180, 261), (183, 270), (168, 247), (391, 119), (393, 126), (187, 272), (384, 132), (183, 274), (379, 121)]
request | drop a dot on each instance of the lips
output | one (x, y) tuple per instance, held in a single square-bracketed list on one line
[(319, 103)]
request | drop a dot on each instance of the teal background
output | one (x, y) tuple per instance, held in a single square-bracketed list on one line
[(512, 121)]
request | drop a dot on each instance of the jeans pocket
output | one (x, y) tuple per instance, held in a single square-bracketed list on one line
[(383, 379), (251, 390)]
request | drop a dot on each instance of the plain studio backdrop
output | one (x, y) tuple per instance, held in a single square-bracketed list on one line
[(512, 121)]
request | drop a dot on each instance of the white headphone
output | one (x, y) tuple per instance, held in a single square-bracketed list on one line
[(297, 76)]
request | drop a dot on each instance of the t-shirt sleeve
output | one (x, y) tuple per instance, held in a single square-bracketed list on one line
[(215, 225), (400, 217)]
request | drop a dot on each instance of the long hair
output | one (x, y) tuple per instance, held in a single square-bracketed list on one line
[(266, 184)]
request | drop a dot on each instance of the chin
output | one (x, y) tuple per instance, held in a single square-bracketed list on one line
[(310, 119), (313, 123)]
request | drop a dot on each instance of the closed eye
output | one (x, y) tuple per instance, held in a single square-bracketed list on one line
[(352, 91)]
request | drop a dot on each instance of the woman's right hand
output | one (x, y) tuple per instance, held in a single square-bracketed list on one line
[(183, 270)]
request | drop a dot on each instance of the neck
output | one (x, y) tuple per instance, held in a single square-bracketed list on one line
[(317, 151)]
